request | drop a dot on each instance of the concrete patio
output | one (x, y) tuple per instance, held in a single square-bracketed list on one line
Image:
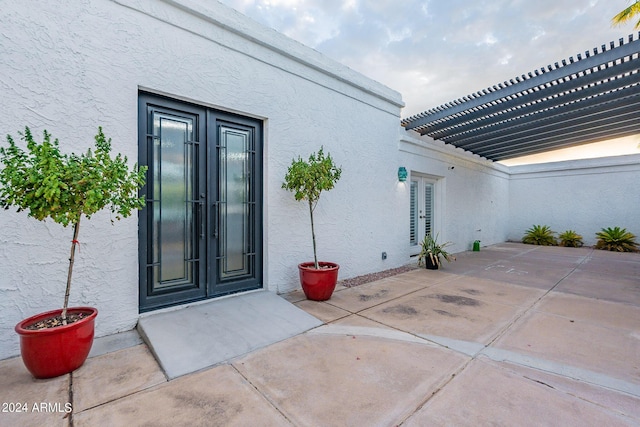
[(512, 335)]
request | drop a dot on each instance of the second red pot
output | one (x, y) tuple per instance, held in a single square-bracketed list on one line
[(318, 284)]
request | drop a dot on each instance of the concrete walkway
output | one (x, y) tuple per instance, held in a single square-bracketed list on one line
[(514, 335)]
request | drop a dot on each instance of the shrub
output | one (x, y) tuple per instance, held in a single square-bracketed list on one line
[(616, 239), (46, 183), (570, 238), (540, 235), (307, 179)]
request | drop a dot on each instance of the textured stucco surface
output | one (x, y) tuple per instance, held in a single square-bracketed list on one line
[(581, 195), (69, 67), (471, 193)]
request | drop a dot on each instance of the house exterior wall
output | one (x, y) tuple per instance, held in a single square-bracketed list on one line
[(581, 195), (471, 193), (69, 67)]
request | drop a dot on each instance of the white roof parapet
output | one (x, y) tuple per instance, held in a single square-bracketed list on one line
[(234, 22)]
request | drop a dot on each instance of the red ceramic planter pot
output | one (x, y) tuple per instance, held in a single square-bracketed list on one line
[(52, 352), (318, 285)]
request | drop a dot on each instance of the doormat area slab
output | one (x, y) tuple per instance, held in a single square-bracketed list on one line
[(196, 337)]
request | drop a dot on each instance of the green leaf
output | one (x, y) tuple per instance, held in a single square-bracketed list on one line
[(308, 179), (49, 184), (616, 239), (540, 235)]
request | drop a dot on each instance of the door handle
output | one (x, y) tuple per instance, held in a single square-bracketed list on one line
[(201, 215), (201, 220), (214, 221)]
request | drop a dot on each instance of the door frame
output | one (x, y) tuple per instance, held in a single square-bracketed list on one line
[(220, 286), (209, 284), (436, 210)]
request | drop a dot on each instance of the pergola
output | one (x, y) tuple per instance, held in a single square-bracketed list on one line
[(590, 99)]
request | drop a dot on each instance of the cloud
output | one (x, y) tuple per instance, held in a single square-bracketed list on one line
[(435, 51), (488, 39)]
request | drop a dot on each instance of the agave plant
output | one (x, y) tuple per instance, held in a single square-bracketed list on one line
[(616, 239), (540, 235), (571, 239), (434, 250)]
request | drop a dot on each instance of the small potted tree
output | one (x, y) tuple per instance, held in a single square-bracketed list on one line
[(47, 184), (307, 180)]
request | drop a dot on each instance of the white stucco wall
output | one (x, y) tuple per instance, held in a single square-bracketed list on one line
[(69, 67), (471, 193), (581, 195)]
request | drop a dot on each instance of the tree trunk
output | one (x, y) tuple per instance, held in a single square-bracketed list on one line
[(313, 236), (74, 242)]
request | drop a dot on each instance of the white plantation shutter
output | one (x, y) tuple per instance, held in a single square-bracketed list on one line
[(428, 208), (413, 212)]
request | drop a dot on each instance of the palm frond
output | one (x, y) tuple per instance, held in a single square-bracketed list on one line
[(627, 14), (540, 235), (616, 239)]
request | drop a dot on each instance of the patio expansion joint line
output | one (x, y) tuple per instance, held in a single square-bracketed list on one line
[(507, 327), (71, 399), (386, 333), (555, 368), (148, 388), (562, 370), (264, 396), (423, 339), (441, 342), (567, 371), (516, 255), (621, 413), (438, 390), (586, 376)]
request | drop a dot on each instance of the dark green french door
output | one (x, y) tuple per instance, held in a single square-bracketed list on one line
[(200, 231)]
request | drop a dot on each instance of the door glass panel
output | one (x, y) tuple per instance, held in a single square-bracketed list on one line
[(233, 170), (200, 232), (173, 227)]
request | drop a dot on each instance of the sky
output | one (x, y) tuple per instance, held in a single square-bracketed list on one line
[(435, 51)]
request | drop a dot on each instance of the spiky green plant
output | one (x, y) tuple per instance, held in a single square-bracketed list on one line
[(434, 250), (571, 239), (616, 239), (540, 235)]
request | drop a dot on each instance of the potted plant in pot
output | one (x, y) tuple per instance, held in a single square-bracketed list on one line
[(47, 184), (307, 180), (431, 251)]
